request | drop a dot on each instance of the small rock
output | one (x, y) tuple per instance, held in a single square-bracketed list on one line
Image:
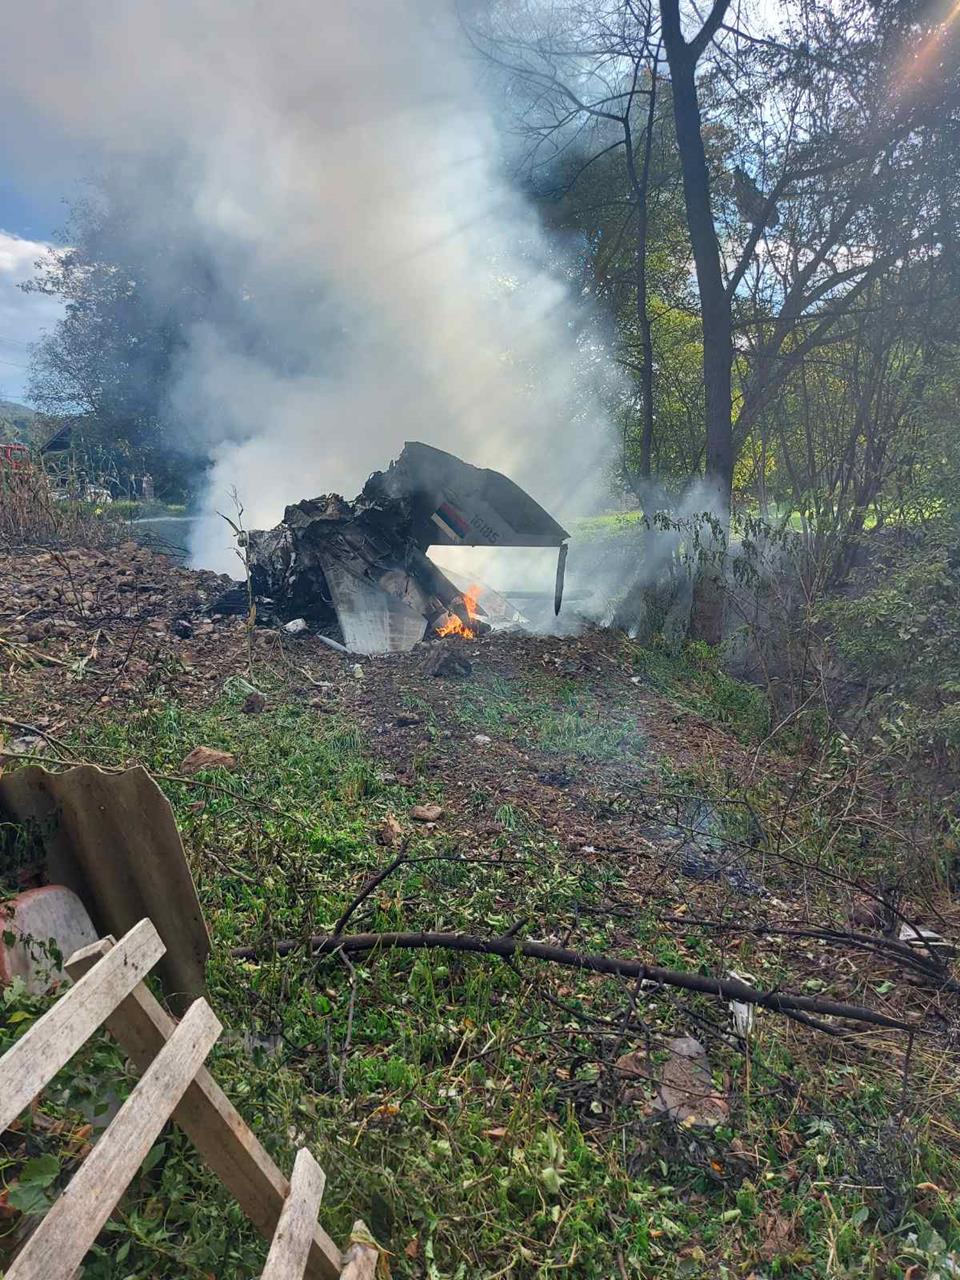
[(481, 740), (207, 758), (686, 1091), (295, 626), (406, 720), (356, 671), (254, 702), (182, 628), (426, 813), (389, 832)]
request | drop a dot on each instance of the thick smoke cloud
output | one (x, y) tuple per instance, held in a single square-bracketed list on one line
[(340, 162)]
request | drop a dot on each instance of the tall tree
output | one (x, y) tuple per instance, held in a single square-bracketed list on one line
[(683, 55)]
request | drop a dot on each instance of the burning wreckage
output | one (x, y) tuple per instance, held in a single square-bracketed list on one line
[(359, 570)]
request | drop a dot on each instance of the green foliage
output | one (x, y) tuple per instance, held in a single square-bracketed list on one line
[(895, 630), (696, 681), (17, 423), (455, 1108)]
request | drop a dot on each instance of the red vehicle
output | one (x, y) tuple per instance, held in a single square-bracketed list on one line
[(14, 457)]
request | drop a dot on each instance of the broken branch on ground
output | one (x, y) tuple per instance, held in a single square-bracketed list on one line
[(508, 948)]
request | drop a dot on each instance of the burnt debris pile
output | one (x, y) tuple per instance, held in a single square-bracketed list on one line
[(358, 571)]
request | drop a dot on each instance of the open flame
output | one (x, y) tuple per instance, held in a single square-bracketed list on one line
[(454, 626)]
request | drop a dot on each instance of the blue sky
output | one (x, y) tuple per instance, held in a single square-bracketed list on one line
[(36, 177)]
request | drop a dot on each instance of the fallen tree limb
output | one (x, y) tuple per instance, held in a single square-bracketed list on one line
[(509, 948), (882, 945)]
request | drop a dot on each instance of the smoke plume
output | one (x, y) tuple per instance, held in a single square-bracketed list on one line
[(336, 171)]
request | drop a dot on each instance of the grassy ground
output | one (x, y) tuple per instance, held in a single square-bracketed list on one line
[(469, 1108)]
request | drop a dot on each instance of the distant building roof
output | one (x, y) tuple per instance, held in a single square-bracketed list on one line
[(61, 440)]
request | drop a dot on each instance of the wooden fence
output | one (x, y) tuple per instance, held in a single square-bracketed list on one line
[(109, 991)]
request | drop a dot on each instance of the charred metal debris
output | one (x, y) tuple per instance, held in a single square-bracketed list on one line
[(358, 572)]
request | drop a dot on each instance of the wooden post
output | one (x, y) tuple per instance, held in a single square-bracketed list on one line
[(291, 1241), (62, 1240), (221, 1136), (52, 1041), (361, 1259)]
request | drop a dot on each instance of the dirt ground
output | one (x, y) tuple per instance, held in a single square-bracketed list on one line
[(690, 824), (557, 733), (86, 634)]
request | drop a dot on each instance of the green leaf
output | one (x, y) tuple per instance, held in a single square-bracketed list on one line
[(153, 1156), (40, 1171), (28, 1198), (860, 1217), (21, 1015), (551, 1179)]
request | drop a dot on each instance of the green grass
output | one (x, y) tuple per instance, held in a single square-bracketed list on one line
[(694, 681), (557, 716), (472, 1123)]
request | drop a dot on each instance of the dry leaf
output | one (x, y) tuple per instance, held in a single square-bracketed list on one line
[(777, 1236)]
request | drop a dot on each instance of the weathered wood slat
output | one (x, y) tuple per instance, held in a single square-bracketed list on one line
[(290, 1247), (360, 1260), (60, 1243), (53, 1040), (211, 1122)]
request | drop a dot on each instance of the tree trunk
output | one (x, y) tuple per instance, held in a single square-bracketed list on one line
[(639, 183), (715, 306), (706, 621)]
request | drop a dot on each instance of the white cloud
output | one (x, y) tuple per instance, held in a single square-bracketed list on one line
[(24, 317)]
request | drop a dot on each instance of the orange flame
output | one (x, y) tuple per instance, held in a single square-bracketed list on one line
[(453, 626)]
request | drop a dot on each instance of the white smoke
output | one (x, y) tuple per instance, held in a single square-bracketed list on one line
[(343, 158)]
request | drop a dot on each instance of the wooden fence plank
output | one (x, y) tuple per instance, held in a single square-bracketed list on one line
[(52, 1041), (290, 1246), (211, 1122), (360, 1261), (60, 1243)]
